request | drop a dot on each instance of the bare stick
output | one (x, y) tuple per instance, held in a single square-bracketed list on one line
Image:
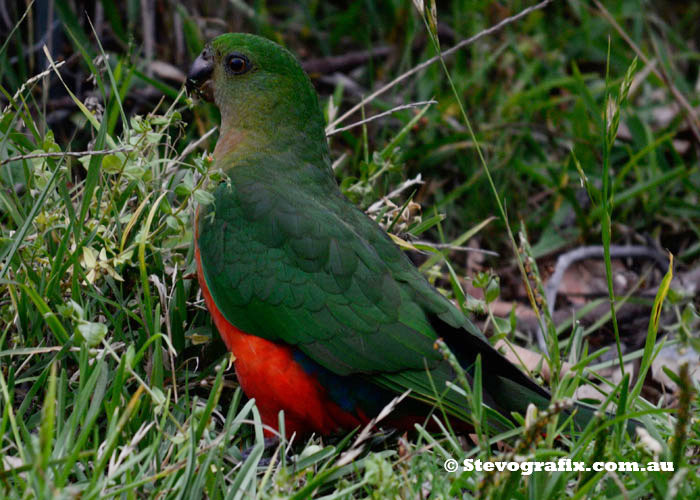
[(380, 115), (77, 154), (190, 147)]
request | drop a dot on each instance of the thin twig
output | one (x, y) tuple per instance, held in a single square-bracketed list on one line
[(380, 115), (432, 60), (190, 147), (374, 207), (78, 154)]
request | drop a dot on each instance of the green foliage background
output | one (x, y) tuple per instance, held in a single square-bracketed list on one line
[(113, 382)]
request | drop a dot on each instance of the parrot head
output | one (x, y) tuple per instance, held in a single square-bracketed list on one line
[(260, 89)]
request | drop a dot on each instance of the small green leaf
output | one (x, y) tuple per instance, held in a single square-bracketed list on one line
[(493, 289), (112, 163), (73, 309), (159, 400), (130, 355), (182, 190), (134, 171), (172, 222), (203, 197), (502, 325), (92, 333)]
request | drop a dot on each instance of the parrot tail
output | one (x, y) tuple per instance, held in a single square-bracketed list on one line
[(505, 387)]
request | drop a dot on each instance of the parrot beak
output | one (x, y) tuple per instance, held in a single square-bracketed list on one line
[(198, 78)]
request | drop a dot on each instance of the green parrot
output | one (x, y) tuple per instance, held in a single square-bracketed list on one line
[(327, 318)]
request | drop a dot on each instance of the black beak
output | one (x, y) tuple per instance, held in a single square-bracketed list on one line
[(200, 71)]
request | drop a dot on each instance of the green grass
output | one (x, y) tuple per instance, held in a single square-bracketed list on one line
[(113, 381)]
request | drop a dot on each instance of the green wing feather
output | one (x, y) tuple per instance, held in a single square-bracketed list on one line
[(286, 257)]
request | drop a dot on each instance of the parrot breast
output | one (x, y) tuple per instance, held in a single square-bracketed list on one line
[(268, 372)]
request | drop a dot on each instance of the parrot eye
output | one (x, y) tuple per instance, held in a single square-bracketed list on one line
[(237, 63)]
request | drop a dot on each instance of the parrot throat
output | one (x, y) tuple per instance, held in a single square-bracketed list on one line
[(237, 144), (258, 125), (230, 141)]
